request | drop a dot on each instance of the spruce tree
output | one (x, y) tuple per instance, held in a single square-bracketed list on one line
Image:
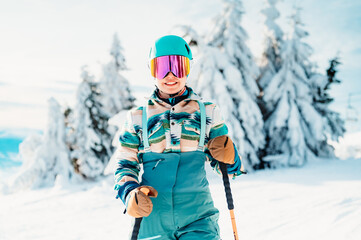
[(273, 38), (239, 90), (91, 149), (116, 96), (321, 85), (294, 127), (271, 60), (229, 36), (115, 89), (334, 125)]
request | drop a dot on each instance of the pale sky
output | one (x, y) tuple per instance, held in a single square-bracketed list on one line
[(44, 43)]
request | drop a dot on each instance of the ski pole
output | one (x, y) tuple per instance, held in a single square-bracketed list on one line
[(227, 188), (138, 220), (136, 228)]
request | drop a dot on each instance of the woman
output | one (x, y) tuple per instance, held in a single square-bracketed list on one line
[(172, 137)]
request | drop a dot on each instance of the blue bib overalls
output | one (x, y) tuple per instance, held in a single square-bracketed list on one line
[(184, 207)]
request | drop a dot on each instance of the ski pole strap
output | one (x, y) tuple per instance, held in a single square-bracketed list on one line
[(136, 228), (227, 185), (202, 109), (145, 129)]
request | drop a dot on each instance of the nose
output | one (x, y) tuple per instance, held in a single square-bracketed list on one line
[(171, 73)]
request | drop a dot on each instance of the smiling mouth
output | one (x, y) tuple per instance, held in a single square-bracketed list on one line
[(170, 83)]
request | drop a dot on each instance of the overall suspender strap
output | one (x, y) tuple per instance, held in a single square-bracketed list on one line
[(202, 109), (145, 129)]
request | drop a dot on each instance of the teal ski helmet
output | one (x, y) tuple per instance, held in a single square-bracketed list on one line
[(170, 45)]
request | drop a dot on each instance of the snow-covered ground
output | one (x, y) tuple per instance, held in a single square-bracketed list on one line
[(319, 201)]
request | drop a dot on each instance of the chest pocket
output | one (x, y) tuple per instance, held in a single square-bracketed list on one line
[(156, 134)]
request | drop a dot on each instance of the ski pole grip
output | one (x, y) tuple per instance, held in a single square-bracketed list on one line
[(227, 185)]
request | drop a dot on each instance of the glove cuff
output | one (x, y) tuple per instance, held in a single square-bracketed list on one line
[(125, 189)]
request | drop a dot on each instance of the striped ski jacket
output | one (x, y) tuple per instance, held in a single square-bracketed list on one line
[(170, 129)]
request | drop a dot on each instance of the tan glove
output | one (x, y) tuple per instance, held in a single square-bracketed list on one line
[(222, 149), (139, 203)]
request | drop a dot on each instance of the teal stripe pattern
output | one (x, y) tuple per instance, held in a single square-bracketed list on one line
[(168, 126)]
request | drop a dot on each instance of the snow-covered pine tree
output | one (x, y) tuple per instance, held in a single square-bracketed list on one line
[(224, 72), (334, 125), (46, 158), (116, 94), (115, 90), (240, 90), (91, 146), (230, 37), (294, 127), (273, 38)]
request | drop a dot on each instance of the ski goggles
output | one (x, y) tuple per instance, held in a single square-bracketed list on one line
[(161, 66)]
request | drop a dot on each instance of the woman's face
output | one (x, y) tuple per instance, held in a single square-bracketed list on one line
[(171, 84)]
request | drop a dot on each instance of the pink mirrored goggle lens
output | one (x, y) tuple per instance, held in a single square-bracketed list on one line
[(161, 66)]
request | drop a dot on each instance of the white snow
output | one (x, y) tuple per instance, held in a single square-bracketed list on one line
[(348, 146), (319, 201)]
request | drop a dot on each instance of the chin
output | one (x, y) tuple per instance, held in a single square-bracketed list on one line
[(172, 89), (171, 92)]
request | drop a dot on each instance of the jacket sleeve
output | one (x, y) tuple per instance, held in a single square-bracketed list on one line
[(219, 128), (126, 155)]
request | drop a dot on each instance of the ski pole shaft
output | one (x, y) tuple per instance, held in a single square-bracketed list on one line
[(136, 228), (227, 188)]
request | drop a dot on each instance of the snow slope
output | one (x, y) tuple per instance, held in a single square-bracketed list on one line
[(319, 201)]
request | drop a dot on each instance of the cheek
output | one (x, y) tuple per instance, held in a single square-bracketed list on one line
[(183, 81), (158, 83)]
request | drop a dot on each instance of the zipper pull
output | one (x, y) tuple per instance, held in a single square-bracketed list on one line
[(157, 163)]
